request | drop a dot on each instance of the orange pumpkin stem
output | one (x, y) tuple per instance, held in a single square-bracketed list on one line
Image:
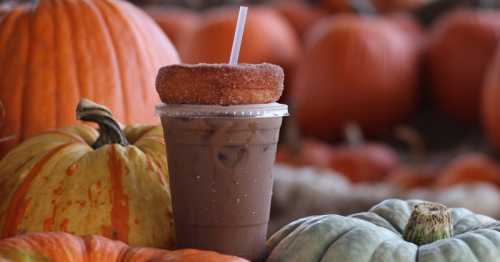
[(110, 131)]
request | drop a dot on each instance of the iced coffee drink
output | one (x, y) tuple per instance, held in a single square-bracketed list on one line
[(221, 127)]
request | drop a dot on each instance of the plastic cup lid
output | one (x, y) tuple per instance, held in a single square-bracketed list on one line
[(216, 111)]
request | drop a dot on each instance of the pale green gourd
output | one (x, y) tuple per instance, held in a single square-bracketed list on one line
[(379, 236)]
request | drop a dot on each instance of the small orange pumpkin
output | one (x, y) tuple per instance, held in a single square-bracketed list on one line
[(63, 247), (470, 168), (364, 163), (312, 152)]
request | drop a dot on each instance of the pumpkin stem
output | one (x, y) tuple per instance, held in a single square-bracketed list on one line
[(353, 135), (110, 131), (417, 145), (428, 222)]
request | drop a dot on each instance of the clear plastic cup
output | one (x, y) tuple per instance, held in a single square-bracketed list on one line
[(220, 160)]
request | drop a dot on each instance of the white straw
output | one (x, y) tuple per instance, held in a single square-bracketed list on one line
[(238, 35)]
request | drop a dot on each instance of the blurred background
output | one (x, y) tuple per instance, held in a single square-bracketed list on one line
[(389, 98)]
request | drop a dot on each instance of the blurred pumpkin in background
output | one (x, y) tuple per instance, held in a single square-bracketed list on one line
[(52, 52), (268, 38), (461, 47), (364, 163), (310, 152), (300, 15), (173, 21), (337, 6), (355, 69), (470, 168), (490, 102)]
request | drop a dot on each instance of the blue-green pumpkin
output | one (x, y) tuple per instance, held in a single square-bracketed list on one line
[(392, 231)]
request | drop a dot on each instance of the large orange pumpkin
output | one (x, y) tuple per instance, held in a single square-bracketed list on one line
[(63, 247), (268, 38), (461, 47), (79, 181), (355, 69), (173, 21), (53, 52)]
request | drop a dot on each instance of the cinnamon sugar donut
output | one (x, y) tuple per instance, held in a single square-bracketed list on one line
[(220, 84)]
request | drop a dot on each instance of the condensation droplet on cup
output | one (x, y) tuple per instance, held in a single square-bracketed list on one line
[(198, 177), (254, 213), (245, 195), (237, 200), (213, 190), (236, 182)]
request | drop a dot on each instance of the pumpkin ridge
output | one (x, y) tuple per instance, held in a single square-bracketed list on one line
[(57, 95), (371, 259), (63, 17), (13, 21), (335, 239), (16, 207), (471, 250), (139, 40), (119, 202), (24, 82), (117, 54), (97, 11)]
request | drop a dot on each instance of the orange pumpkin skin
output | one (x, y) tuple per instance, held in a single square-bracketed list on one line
[(55, 51), (56, 181), (173, 21), (268, 38), (356, 69), (313, 153), (63, 247), (411, 177), (364, 163), (470, 168), (300, 15), (461, 47), (490, 103), (337, 6)]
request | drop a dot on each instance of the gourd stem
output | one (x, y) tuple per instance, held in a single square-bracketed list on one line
[(428, 222), (110, 131)]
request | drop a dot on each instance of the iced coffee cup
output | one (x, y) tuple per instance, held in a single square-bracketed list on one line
[(221, 125)]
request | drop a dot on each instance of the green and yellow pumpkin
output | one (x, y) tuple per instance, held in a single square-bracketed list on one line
[(392, 231), (110, 182)]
